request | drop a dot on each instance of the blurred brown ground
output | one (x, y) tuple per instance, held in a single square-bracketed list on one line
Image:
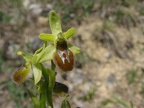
[(109, 33)]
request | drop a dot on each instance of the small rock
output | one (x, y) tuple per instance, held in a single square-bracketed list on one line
[(76, 77), (35, 43), (110, 82), (43, 20), (72, 15), (36, 9), (107, 55), (10, 50), (26, 3), (49, 6)]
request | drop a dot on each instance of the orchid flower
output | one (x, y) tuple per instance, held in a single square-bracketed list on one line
[(59, 51)]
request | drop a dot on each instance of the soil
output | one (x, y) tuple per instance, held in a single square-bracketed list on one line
[(110, 63)]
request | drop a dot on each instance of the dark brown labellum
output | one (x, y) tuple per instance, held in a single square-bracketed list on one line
[(64, 60)]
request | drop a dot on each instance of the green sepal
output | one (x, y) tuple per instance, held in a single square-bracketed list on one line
[(55, 23), (70, 32), (74, 49), (37, 72), (65, 103), (60, 89), (34, 99), (48, 37), (27, 56), (45, 55), (38, 51)]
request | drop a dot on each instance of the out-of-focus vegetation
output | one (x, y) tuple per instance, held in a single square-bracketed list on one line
[(22, 20)]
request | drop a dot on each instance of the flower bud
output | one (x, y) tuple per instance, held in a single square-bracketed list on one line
[(60, 89), (20, 75)]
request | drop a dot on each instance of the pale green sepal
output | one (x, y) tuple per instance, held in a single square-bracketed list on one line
[(70, 32), (74, 49), (45, 55), (37, 72), (48, 37), (27, 56), (34, 58), (55, 23), (38, 51)]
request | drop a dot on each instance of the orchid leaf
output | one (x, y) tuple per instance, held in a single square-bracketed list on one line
[(37, 72), (48, 37), (70, 32), (42, 86), (49, 76), (45, 55), (34, 99), (65, 103), (43, 100), (55, 23)]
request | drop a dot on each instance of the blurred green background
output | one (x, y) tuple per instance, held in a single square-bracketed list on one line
[(109, 71)]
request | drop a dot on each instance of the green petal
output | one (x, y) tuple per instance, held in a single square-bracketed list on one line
[(45, 55), (37, 72), (48, 37), (70, 32), (55, 23), (20, 76), (74, 49)]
